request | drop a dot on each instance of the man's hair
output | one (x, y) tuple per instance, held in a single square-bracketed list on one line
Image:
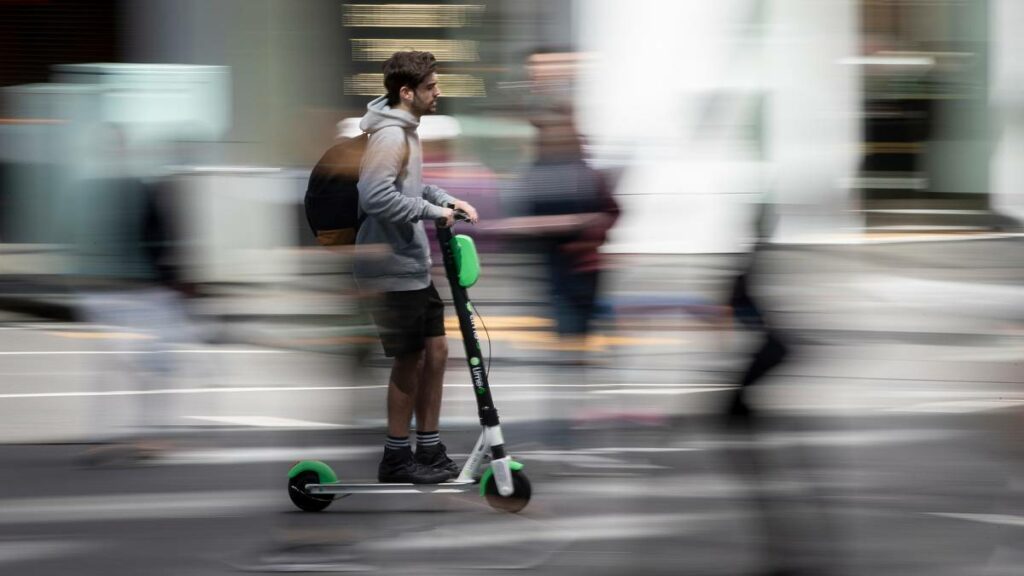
[(408, 68)]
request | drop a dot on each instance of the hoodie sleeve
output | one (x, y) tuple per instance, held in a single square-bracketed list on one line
[(378, 195), (437, 195)]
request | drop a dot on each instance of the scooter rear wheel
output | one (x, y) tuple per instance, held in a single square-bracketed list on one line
[(304, 500), (521, 492)]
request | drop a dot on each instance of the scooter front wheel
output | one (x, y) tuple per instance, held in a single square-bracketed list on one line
[(521, 492)]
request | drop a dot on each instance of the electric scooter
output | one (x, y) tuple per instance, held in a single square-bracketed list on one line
[(313, 486)]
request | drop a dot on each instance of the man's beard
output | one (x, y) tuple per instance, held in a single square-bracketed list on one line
[(423, 109)]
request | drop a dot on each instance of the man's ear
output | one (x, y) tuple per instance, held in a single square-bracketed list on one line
[(406, 94)]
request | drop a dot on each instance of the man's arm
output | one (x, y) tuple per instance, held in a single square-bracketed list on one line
[(378, 195), (437, 195)]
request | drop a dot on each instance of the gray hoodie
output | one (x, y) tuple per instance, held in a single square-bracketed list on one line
[(395, 202)]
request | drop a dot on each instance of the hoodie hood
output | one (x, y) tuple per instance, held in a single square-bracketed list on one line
[(379, 115)]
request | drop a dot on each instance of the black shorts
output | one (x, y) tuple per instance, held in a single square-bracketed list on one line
[(406, 319)]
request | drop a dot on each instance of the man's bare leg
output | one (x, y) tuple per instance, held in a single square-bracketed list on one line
[(398, 464), (430, 451), (428, 397), (402, 391)]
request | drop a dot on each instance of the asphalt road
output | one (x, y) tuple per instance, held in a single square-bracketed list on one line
[(891, 442)]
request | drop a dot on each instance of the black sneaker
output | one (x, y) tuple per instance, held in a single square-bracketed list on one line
[(436, 457), (399, 466)]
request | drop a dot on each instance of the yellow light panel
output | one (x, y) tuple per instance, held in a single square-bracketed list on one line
[(452, 85), (380, 49), (412, 15)]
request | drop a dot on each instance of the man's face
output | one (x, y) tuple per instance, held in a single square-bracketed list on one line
[(424, 98)]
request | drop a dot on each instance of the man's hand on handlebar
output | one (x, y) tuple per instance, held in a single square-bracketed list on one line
[(458, 210), (447, 220), (468, 210)]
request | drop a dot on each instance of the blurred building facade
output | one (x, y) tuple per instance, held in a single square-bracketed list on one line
[(885, 115)]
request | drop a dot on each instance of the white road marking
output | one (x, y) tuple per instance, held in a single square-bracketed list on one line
[(39, 326), (261, 389), (224, 390), (264, 455), (227, 456), (517, 530), (653, 385), (618, 466), (705, 486), (333, 453), (59, 373), (24, 551), (268, 422), (147, 506), (960, 406), (572, 458), (585, 458), (1008, 353), (824, 438), (1002, 519), (135, 352), (659, 391), (639, 450)]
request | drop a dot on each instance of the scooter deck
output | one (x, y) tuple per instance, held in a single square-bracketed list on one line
[(377, 488)]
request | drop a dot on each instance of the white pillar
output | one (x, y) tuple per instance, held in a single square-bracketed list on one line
[(1006, 97), (814, 125), (719, 104)]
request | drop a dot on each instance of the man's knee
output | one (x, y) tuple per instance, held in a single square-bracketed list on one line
[(437, 350), (406, 369)]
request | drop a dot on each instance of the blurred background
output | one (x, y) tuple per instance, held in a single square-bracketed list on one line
[(752, 284)]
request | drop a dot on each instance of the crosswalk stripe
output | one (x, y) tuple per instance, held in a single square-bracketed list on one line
[(142, 506), (660, 391), (102, 335), (961, 406), (1001, 519), (224, 456), (519, 530), (261, 389), (137, 352), (268, 422), (161, 391), (27, 550)]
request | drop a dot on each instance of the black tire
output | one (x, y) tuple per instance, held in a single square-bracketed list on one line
[(521, 492), (304, 500)]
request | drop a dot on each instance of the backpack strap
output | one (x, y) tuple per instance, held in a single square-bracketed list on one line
[(405, 157)]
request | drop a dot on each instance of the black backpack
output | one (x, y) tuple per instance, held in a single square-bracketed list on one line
[(332, 195)]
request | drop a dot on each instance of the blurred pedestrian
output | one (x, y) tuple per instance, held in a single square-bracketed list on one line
[(795, 531), (561, 207), (771, 349), (128, 276)]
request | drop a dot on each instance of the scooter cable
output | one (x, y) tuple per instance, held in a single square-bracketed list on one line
[(490, 349)]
